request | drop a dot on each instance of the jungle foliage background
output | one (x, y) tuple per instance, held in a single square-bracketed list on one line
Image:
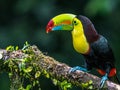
[(26, 20)]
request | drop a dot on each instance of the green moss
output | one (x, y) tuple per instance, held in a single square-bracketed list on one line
[(12, 48), (37, 74), (22, 68), (64, 85), (46, 74), (88, 85)]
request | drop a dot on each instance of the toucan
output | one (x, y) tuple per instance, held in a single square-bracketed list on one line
[(93, 46)]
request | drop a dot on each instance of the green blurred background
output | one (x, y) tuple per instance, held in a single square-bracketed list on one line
[(26, 20)]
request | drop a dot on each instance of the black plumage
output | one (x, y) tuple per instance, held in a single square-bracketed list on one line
[(100, 55)]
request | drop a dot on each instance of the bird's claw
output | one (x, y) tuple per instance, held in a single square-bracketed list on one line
[(104, 78), (78, 68)]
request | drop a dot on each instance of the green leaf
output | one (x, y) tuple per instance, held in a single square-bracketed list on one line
[(10, 48), (28, 87), (88, 85), (55, 81), (37, 74), (21, 66), (21, 88), (29, 69), (16, 48), (46, 74), (84, 85), (65, 85), (26, 45)]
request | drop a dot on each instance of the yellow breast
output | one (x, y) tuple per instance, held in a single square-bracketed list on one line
[(79, 42)]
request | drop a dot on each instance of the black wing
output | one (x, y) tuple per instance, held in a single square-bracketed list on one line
[(101, 55)]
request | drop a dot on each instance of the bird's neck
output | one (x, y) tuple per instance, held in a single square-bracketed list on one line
[(80, 42)]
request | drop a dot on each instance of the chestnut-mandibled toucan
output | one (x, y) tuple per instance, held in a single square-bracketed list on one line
[(93, 46)]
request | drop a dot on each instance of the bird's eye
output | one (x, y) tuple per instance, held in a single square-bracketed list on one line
[(75, 22)]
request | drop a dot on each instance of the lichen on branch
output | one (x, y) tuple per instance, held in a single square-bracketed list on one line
[(29, 63)]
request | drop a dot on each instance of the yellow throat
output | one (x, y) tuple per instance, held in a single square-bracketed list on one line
[(79, 40)]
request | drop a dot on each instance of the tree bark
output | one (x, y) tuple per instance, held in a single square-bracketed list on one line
[(58, 70)]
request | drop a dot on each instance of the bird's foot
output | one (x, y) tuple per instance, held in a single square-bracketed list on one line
[(104, 78), (78, 68)]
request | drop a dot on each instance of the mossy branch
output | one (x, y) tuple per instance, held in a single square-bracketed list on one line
[(30, 63)]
